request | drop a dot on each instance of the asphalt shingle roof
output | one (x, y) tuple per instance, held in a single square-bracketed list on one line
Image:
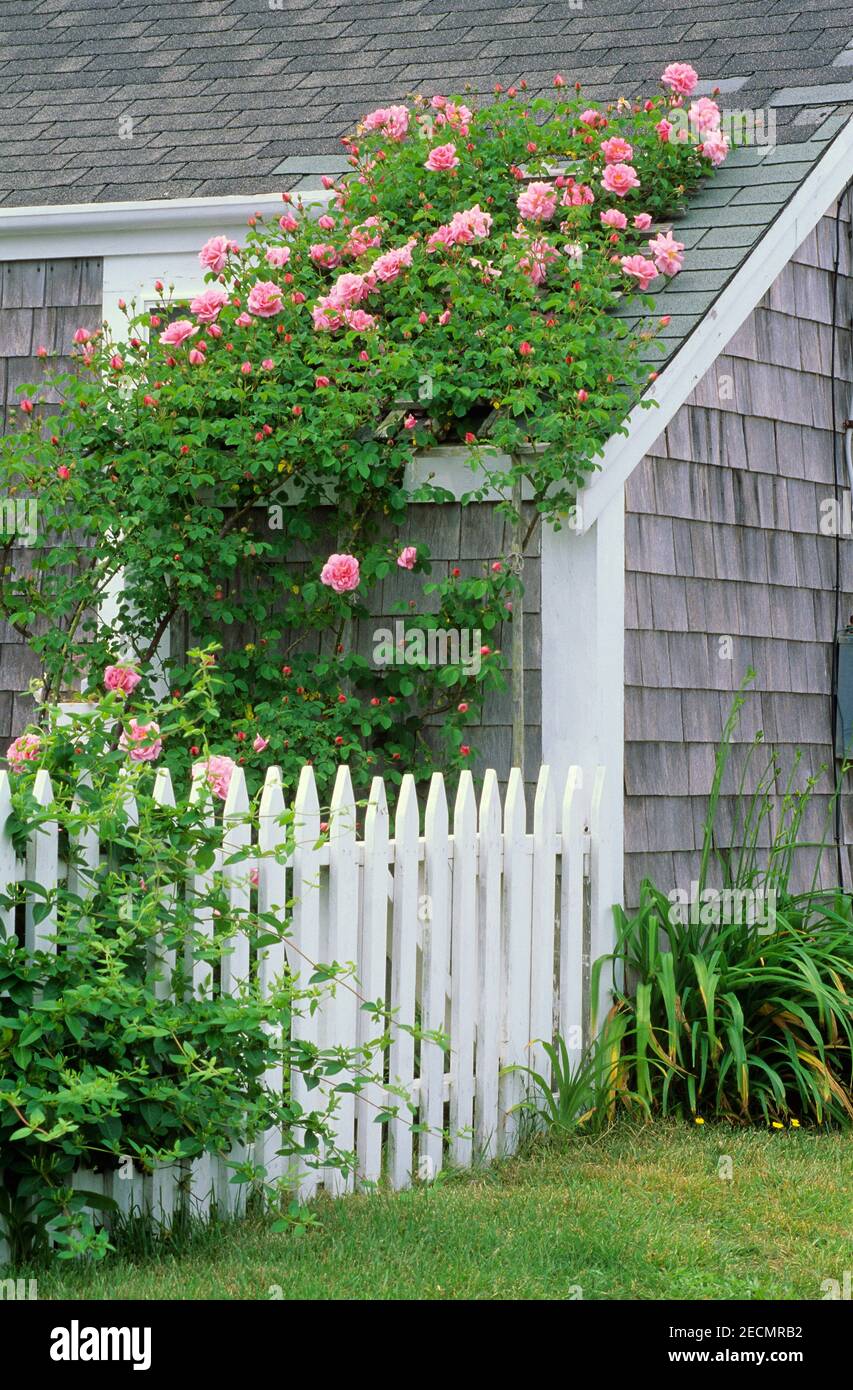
[(148, 99)]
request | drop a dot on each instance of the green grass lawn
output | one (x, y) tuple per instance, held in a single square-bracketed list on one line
[(640, 1213)]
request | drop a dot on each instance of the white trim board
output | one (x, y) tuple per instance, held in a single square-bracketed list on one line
[(768, 258), (70, 230)]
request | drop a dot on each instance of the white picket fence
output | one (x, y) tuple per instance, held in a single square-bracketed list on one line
[(477, 929)]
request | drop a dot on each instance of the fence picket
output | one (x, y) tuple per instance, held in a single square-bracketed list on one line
[(340, 1012), (571, 915), (488, 970), (306, 942), (8, 858), (436, 964), (42, 868), (272, 899), (404, 959), (543, 922), (516, 953), (162, 959), (463, 970), (372, 959), (234, 969), (203, 1169)]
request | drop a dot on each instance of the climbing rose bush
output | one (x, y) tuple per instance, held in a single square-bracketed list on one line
[(250, 460)]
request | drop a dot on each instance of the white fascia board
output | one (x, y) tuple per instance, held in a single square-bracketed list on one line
[(622, 453), (133, 228)]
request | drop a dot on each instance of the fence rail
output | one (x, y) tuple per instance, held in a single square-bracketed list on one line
[(470, 925)]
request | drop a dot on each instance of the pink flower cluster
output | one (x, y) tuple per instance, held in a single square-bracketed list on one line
[(464, 227), (392, 121), (620, 179), (575, 195), (441, 159), (451, 113), (363, 238), (22, 750), (214, 254), (680, 78), (265, 299), (388, 266)]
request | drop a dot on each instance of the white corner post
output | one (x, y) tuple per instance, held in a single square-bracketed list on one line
[(583, 691)]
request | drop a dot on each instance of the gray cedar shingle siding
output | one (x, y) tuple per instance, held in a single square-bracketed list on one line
[(723, 539), (41, 304)]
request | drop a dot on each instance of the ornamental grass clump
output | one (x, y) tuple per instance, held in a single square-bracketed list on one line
[(243, 457)]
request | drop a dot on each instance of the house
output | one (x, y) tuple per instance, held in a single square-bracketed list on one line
[(132, 135)]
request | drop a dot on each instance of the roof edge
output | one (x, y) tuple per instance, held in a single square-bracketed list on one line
[(736, 301)]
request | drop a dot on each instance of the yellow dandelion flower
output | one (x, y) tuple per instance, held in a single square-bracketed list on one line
[(795, 1124), (698, 1120), (775, 1124)]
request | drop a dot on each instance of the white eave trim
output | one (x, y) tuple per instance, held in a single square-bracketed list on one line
[(622, 453), (130, 228)]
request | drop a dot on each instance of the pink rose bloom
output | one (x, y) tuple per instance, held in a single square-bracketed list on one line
[(358, 320), (326, 315), (265, 299), (141, 741), (590, 118), (214, 253), (322, 253), (442, 236), (407, 557), (617, 151), (444, 318), (208, 305), (620, 179), (643, 221), (410, 422), (246, 368), (614, 218), (388, 266), (326, 222), (178, 332), (667, 253), (704, 115), (392, 121), (219, 770), (267, 364), (254, 877), (197, 358), (680, 78), (471, 225), (350, 289), (341, 573), (715, 147), (24, 749), (664, 129), (538, 202), (442, 158), (640, 269), (122, 678), (278, 256), (288, 222), (81, 335), (259, 743)]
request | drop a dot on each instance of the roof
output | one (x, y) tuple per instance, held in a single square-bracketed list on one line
[(101, 103)]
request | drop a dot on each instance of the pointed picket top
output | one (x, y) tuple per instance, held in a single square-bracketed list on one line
[(544, 807), (376, 825), (515, 808), (306, 804), (43, 787), (436, 818), (164, 792), (342, 807), (465, 808), (407, 819), (237, 799), (490, 807), (272, 804), (571, 808)]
